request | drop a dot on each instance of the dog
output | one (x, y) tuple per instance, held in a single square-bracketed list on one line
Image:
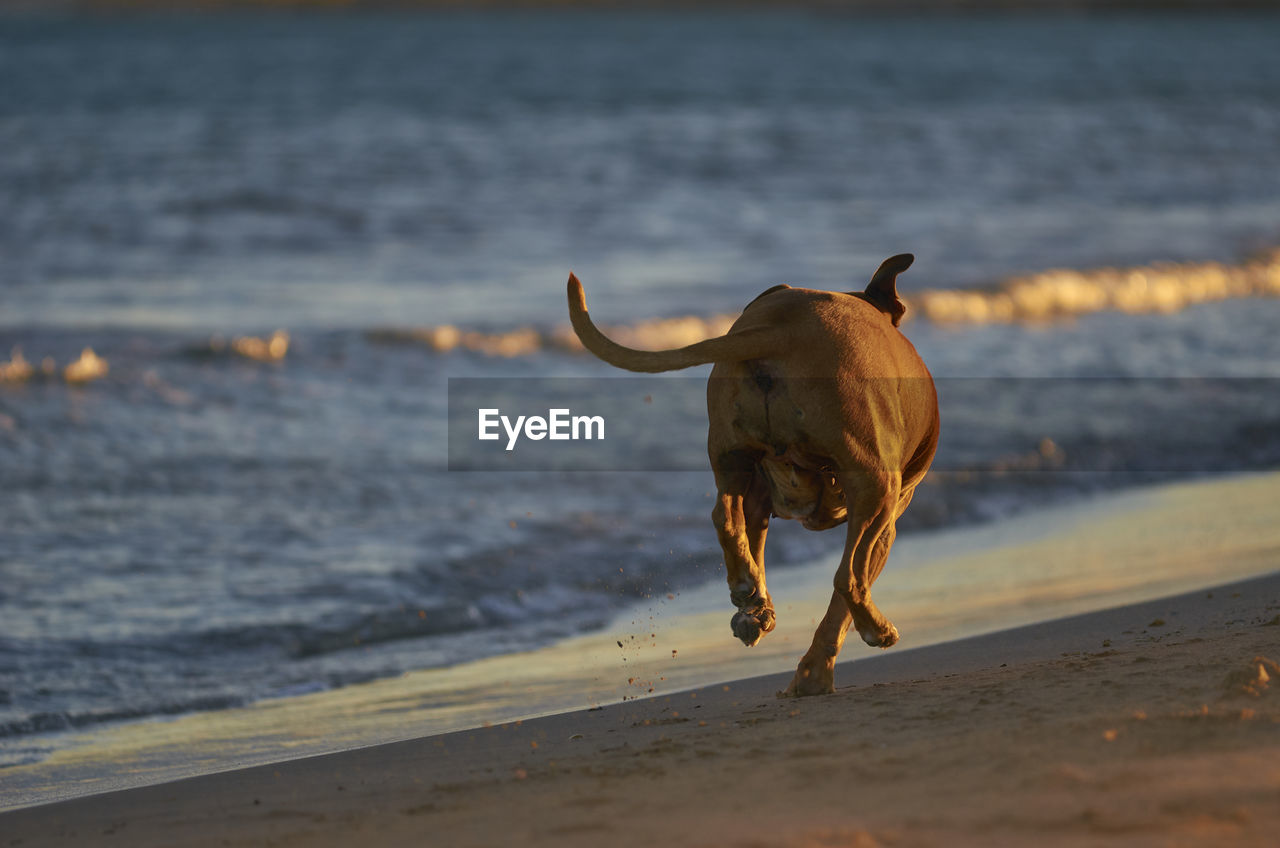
[(821, 411)]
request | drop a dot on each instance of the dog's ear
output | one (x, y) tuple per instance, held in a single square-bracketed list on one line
[(882, 291)]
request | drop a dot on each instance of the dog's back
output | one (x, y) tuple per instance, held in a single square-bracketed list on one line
[(846, 376)]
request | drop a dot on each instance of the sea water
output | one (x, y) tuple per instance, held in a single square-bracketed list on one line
[(200, 529)]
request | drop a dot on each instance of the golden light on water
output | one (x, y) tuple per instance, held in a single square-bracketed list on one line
[(1053, 295), (88, 367), (271, 349), (17, 369), (1064, 293)]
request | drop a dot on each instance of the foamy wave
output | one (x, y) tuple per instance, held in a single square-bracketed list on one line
[(1064, 293), (270, 348), (1046, 296), (87, 368), (656, 334)]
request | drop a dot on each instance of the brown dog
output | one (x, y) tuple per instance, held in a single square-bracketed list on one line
[(820, 410)]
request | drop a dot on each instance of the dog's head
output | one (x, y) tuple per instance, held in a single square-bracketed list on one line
[(882, 291)]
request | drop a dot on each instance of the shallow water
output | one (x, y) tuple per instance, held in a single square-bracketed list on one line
[(199, 529)]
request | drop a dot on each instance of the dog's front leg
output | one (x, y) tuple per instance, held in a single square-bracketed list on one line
[(741, 517)]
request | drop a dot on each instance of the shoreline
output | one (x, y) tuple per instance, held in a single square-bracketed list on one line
[(944, 585), (1132, 725)]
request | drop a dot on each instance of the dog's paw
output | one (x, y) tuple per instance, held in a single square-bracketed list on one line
[(811, 680), (886, 638), (750, 627)]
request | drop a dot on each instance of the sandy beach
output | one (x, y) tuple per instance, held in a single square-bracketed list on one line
[(1148, 723)]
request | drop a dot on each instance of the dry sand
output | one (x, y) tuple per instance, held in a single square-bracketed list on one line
[(1156, 723)]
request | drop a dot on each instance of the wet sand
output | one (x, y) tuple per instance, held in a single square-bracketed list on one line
[(1156, 723)]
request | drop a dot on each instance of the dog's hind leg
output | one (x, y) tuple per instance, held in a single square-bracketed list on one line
[(741, 517), (815, 675), (874, 501)]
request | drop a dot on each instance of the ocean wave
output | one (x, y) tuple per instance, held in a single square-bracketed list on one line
[(87, 368), (1065, 293), (1048, 296), (272, 348), (522, 341), (1052, 295)]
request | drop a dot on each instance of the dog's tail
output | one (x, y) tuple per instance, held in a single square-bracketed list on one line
[(734, 346)]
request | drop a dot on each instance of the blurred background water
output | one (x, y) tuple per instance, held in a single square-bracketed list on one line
[(199, 528)]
